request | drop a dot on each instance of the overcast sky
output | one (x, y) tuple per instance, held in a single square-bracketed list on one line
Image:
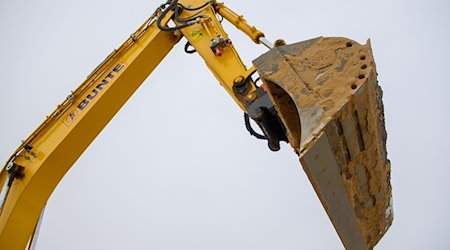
[(176, 169)]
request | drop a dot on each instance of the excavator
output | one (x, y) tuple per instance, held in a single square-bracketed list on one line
[(321, 96)]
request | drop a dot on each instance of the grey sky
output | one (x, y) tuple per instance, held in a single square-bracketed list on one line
[(176, 169)]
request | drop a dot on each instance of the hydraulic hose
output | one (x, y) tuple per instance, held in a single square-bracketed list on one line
[(196, 8), (187, 50), (164, 13), (251, 130), (178, 9)]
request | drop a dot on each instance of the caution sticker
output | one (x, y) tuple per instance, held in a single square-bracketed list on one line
[(196, 35)]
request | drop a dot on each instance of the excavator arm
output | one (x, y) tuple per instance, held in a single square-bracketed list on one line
[(330, 128), (37, 166)]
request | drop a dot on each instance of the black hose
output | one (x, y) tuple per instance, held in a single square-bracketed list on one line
[(178, 9), (196, 8), (163, 28), (187, 50), (250, 129)]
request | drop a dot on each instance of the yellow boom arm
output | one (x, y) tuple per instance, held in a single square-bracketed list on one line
[(36, 167)]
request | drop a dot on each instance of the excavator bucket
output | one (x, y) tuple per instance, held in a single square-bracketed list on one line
[(326, 94)]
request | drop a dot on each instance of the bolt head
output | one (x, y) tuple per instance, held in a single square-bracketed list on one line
[(9, 166), (250, 97)]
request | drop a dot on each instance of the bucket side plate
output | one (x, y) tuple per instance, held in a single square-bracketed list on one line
[(330, 86)]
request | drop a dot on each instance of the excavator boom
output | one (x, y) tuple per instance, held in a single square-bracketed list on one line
[(37, 166), (321, 96)]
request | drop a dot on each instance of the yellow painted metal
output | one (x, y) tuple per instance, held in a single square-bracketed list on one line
[(227, 67), (239, 22), (66, 133)]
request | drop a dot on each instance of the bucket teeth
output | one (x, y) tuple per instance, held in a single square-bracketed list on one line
[(326, 93)]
